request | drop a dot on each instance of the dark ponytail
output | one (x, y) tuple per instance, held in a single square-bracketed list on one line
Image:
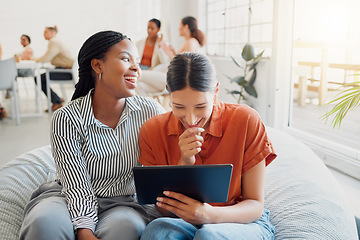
[(191, 69), (95, 47), (195, 32)]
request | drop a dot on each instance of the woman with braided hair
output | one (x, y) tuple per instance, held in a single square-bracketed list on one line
[(94, 142)]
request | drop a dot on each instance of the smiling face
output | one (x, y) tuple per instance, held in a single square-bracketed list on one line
[(193, 108), (152, 29), (120, 70)]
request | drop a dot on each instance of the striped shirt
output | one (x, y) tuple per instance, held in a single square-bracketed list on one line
[(94, 160)]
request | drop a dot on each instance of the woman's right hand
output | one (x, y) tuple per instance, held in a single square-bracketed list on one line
[(190, 143), (85, 234)]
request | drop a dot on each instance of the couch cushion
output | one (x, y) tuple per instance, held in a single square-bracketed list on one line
[(304, 199), (18, 179)]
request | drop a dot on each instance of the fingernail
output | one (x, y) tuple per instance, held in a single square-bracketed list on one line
[(166, 193)]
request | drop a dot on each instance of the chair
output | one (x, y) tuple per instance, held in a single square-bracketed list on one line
[(68, 80), (8, 74)]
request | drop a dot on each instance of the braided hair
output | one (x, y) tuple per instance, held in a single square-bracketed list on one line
[(95, 47)]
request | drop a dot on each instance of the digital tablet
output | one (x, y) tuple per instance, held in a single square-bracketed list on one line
[(205, 183)]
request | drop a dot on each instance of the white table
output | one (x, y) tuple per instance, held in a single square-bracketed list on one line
[(35, 67)]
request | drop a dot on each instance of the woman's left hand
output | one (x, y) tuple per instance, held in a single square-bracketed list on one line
[(190, 210)]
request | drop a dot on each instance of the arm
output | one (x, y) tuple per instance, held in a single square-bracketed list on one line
[(169, 50), (66, 143), (246, 211), (52, 50)]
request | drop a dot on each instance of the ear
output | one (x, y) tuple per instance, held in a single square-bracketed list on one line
[(97, 65)]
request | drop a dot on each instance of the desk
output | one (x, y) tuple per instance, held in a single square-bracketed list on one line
[(35, 67)]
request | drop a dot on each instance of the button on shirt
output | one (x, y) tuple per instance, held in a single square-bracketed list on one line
[(236, 135), (94, 160)]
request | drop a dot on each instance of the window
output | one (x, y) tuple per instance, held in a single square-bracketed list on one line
[(232, 23)]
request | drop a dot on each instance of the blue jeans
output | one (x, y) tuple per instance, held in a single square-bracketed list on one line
[(176, 228)]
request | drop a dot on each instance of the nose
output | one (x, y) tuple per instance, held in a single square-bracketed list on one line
[(135, 67), (190, 118)]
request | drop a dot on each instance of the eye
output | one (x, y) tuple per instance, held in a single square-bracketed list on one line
[(202, 107), (126, 59), (178, 107)]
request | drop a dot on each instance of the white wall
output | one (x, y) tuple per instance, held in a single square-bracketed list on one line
[(76, 21)]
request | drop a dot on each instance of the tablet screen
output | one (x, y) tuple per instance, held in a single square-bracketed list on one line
[(205, 183)]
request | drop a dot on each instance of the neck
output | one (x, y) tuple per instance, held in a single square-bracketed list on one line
[(151, 39), (106, 108)]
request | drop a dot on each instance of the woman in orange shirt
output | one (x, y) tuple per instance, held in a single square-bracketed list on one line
[(202, 130), (150, 53)]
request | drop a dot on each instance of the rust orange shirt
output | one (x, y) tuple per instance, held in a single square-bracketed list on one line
[(236, 135), (147, 55)]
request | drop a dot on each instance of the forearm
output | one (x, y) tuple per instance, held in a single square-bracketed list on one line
[(85, 234), (167, 50), (246, 211)]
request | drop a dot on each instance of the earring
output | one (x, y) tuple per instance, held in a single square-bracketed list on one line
[(99, 76), (170, 104)]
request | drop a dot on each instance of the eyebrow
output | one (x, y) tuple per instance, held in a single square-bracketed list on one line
[(194, 105), (126, 52)]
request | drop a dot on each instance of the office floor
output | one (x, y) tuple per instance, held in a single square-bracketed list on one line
[(34, 132)]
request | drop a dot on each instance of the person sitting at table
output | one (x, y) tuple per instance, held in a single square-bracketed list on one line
[(25, 54), (59, 56)]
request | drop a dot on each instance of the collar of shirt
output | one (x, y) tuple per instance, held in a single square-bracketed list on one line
[(174, 126), (88, 114)]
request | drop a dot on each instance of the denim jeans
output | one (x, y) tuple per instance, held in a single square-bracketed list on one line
[(176, 228)]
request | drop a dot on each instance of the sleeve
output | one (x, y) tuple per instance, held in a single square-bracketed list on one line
[(147, 157), (52, 50), (72, 172), (257, 144)]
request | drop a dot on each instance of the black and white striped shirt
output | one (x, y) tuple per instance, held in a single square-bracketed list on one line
[(94, 160)]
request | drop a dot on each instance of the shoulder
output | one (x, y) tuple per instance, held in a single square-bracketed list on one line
[(239, 113), (192, 42), (72, 112), (141, 42), (156, 123), (146, 104)]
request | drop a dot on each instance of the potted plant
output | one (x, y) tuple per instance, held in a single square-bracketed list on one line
[(346, 100), (246, 80)]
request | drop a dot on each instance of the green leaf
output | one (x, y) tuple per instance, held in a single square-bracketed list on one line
[(248, 52), (346, 101), (236, 62), (235, 92), (253, 77), (250, 90), (257, 59), (239, 80)]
